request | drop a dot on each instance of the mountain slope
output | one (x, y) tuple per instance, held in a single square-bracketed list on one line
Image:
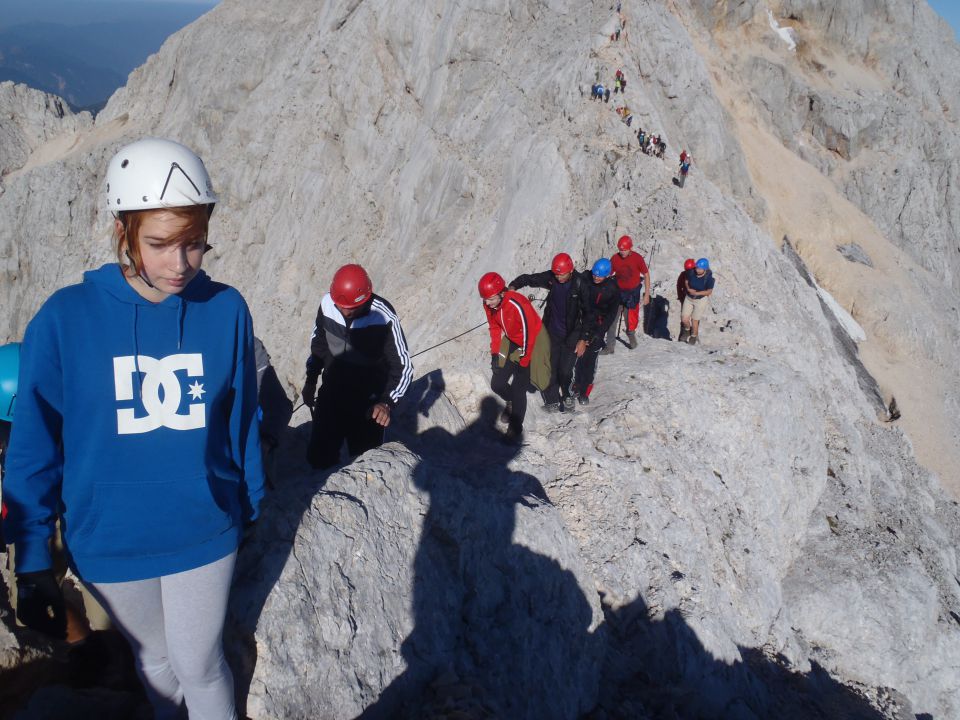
[(724, 526)]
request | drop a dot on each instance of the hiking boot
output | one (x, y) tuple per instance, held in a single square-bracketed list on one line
[(631, 339), (507, 413), (583, 399), (512, 436), (568, 404), (684, 334), (692, 340), (607, 350), (552, 407)]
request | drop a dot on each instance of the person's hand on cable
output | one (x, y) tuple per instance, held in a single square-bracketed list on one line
[(309, 393), (40, 603), (381, 414)]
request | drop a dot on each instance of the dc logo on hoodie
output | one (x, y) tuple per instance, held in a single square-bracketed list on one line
[(157, 375)]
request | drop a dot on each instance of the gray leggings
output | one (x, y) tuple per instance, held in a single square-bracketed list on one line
[(174, 625)]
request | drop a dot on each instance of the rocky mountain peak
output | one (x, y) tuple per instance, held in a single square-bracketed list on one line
[(733, 529)]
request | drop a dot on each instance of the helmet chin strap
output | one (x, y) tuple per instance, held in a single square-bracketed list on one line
[(133, 263), (140, 275)]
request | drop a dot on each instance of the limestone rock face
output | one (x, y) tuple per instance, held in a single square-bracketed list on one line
[(871, 97), (31, 118), (728, 529)]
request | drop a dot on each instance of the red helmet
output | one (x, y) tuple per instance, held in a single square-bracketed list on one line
[(490, 284), (625, 243), (351, 287), (562, 264), (689, 264)]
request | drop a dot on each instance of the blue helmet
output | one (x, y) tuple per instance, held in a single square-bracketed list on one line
[(602, 268), (703, 264), (9, 375)]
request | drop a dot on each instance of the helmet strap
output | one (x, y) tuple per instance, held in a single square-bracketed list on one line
[(133, 265)]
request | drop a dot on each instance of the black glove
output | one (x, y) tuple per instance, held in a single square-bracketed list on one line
[(40, 603), (494, 363), (309, 393)]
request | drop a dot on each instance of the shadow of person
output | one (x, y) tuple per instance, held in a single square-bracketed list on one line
[(419, 409), (263, 555), (656, 317), (505, 626), (502, 630), (659, 668)]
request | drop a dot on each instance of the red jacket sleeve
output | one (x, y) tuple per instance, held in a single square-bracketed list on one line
[(522, 324), (496, 332)]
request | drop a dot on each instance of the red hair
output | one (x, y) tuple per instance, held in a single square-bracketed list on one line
[(196, 217)]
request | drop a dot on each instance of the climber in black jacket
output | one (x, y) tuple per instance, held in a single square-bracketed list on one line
[(603, 305), (563, 318), (359, 347)]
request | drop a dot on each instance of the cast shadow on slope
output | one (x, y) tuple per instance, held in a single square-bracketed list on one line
[(502, 631), (656, 317), (658, 668), (503, 628)]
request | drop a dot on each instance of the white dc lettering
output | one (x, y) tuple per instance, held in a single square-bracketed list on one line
[(158, 374)]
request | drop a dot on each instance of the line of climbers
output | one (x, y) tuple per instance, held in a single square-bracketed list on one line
[(580, 318), (650, 144)]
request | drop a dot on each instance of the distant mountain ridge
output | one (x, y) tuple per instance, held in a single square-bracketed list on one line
[(84, 52)]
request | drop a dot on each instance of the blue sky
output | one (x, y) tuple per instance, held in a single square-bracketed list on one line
[(949, 10)]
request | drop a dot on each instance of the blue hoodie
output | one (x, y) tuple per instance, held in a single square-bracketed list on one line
[(136, 422)]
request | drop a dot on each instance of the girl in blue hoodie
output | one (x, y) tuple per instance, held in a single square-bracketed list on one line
[(136, 426)]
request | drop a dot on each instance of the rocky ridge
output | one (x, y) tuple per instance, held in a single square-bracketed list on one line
[(31, 118), (726, 532)]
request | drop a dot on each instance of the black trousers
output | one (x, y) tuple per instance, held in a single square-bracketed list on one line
[(562, 360), (587, 367), (511, 383), (338, 417)]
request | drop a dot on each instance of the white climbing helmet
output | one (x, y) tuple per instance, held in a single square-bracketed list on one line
[(154, 173)]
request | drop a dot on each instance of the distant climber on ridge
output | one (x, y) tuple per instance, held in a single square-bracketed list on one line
[(633, 278), (360, 353), (514, 327), (699, 285), (684, 167), (563, 319)]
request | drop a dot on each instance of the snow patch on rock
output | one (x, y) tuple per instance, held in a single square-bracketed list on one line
[(787, 34), (851, 326)]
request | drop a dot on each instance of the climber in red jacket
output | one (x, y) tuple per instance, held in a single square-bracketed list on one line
[(510, 313)]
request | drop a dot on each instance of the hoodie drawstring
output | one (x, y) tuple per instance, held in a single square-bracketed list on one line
[(136, 354), (181, 309)]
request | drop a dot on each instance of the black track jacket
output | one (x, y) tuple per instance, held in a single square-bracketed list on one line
[(577, 310), (603, 302), (366, 355)]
